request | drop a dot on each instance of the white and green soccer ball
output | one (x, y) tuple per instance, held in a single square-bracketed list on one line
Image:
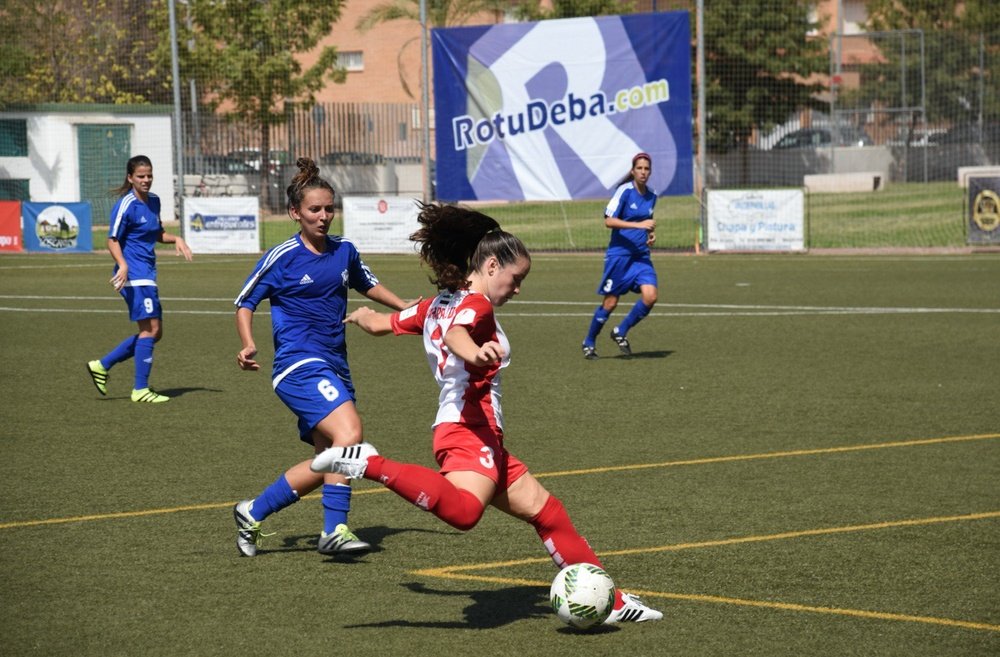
[(582, 595)]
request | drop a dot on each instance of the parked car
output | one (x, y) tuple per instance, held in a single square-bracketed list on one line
[(969, 133), (251, 157), (351, 157), (964, 145), (822, 137)]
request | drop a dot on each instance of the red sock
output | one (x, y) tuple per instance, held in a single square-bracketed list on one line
[(564, 543), (427, 489)]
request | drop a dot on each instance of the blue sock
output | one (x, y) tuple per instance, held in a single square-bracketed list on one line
[(636, 315), (123, 351), (274, 498), (143, 362), (596, 324), (336, 504)]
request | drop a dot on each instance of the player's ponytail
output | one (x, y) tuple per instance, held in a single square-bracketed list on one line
[(455, 241), (307, 178)]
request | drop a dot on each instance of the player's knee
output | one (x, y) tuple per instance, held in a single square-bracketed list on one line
[(464, 524)]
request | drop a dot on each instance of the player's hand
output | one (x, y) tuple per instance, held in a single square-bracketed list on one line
[(181, 247), (490, 353), (650, 238), (409, 303), (120, 278), (649, 225), (245, 359), (358, 314)]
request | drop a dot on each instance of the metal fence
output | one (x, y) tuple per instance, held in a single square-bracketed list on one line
[(907, 107)]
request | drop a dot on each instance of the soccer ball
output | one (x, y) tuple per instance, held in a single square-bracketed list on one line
[(582, 595)]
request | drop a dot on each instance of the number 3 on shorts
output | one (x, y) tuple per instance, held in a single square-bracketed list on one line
[(328, 390), (487, 458)]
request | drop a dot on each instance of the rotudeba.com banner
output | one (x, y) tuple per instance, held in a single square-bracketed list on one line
[(555, 110)]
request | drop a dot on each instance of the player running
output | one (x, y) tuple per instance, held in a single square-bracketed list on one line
[(627, 265), (477, 267)]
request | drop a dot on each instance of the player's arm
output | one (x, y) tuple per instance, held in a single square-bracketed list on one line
[(648, 225), (370, 321), (459, 342), (121, 276), (383, 295), (180, 245), (244, 327)]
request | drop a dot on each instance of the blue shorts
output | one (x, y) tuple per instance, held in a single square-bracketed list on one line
[(623, 274), (312, 389), (143, 302)]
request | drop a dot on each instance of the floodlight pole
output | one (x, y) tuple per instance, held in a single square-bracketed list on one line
[(425, 104), (178, 126)]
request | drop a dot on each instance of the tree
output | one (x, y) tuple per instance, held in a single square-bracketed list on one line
[(244, 56), (760, 67), (82, 51), (535, 10), (440, 13), (961, 59)]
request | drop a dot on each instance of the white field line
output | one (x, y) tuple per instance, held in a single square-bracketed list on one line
[(699, 309)]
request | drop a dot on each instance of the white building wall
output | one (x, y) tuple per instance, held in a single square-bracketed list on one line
[(52, 166)]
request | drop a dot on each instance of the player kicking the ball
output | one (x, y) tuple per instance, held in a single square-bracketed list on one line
[(477, 267)]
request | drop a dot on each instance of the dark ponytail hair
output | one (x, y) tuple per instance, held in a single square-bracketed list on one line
[(456, 241), (307, 178), (134, 163)]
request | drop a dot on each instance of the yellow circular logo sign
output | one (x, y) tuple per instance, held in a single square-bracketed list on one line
[(986, 210)]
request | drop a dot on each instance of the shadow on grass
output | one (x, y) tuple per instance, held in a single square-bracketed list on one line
[(490, 608), (645, 354), (372, 535), (180, 392), (173, 393)]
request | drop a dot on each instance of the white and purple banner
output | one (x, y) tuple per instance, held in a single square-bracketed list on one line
[(222, 224), (755, 219), (555, 110)]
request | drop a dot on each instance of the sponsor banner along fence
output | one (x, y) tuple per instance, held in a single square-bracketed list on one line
[(381, 224), (11, 235), (755, 220), (555, 110), (225, 224), (983, 222), (57, 227)]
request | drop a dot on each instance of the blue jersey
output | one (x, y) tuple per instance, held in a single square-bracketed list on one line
[(308, 295), (628, 204), (137, 228)]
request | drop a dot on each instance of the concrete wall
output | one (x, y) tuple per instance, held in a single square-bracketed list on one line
[(53, 163)]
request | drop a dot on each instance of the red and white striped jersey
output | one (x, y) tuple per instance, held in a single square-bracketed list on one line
[(469, 394)]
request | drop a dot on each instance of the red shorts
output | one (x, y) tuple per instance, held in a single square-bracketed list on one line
[(461, 448)]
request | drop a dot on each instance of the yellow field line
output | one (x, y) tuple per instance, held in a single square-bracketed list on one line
[(776, 455), (458, 572), (563, 473)]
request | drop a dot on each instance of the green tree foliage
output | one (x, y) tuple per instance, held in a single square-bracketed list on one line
[(440, 13), (535, 10), (81, 51), (759, 67), (243, 56), (959, 66)]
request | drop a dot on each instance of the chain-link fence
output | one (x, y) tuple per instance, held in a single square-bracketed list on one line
[(789, 102)]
